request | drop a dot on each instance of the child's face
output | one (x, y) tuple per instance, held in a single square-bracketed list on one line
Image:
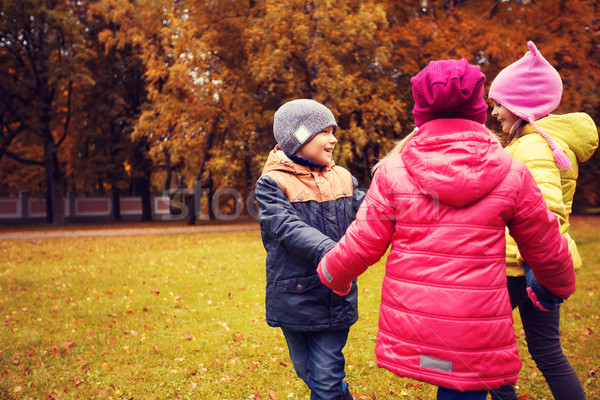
[(319, 149), (506, 118)]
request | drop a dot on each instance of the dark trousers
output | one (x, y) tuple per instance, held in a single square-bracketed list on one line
[(543, 341), (319, 361), (450, 394)]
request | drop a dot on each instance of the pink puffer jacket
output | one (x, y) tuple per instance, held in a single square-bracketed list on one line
[(443, 204)]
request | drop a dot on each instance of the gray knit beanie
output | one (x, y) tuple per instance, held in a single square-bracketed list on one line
[(298, 121)]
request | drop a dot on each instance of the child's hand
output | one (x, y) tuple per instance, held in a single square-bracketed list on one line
[(345, 291), (539, 295), (327, 280)]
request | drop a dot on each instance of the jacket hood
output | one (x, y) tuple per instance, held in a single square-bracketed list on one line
[(278, 161), (575, 130), (457, 160)]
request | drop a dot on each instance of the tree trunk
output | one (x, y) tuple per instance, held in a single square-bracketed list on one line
[(209, 198), (210, 138), (55, 207), (116, 204), (142, 166), (143, 190), (190, 202), (250, 180), (168, 168)]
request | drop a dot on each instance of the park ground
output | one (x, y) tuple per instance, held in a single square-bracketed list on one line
[(167, 311)]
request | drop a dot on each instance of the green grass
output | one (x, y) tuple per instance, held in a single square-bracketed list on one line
[(181, 316), (7, 228)]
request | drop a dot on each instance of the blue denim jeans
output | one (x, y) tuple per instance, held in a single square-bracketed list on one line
[(318, 361), (543, 341), (451, 394)]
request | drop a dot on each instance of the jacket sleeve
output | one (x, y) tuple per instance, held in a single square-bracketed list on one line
[(282, 223), (366, 239), (537, 234), (357, 196)]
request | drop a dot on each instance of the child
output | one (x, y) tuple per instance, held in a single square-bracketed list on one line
[(523, 95), (305, 204), (443, 202)]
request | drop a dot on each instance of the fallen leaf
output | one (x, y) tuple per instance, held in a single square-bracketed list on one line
[(55, 352), (590, 332), (533, 374)]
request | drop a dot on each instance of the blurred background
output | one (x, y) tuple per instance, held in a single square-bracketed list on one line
[(122, 99)]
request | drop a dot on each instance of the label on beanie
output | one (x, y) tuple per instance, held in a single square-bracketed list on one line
[(302, 134)]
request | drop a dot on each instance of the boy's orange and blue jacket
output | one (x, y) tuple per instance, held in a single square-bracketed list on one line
[(303, 212)]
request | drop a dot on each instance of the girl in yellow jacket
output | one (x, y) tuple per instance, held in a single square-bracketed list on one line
[(523, 95)]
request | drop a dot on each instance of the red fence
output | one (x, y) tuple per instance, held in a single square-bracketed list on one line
[(24, 208)]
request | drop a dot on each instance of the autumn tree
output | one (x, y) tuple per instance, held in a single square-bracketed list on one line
[(493, 34), (219, 70), (186, 91), (199, 117), (42, 51), (101, 153), (566, 32), (338, 54)]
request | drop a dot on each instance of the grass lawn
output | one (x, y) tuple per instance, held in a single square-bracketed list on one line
[(181, 316)]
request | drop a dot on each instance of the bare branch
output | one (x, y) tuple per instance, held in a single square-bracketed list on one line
[(23, 160)]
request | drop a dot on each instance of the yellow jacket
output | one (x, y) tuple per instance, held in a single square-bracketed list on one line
[(577, 135)]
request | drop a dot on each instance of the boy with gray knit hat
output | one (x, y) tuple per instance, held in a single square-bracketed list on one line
[(305, 203)]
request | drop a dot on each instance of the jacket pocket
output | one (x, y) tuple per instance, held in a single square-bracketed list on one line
[(298, 284)]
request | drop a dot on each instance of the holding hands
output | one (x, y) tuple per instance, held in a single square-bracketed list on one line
[(539, 295)]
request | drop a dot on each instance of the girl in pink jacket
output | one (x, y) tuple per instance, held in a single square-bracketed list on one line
[(442, 199)]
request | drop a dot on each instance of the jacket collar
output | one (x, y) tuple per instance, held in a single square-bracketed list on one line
[(278, 161)]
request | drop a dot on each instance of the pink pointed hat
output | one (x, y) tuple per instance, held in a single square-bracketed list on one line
[(531, 88)]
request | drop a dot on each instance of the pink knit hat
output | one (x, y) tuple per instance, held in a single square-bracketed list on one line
[(531, 89), (449, 89)]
